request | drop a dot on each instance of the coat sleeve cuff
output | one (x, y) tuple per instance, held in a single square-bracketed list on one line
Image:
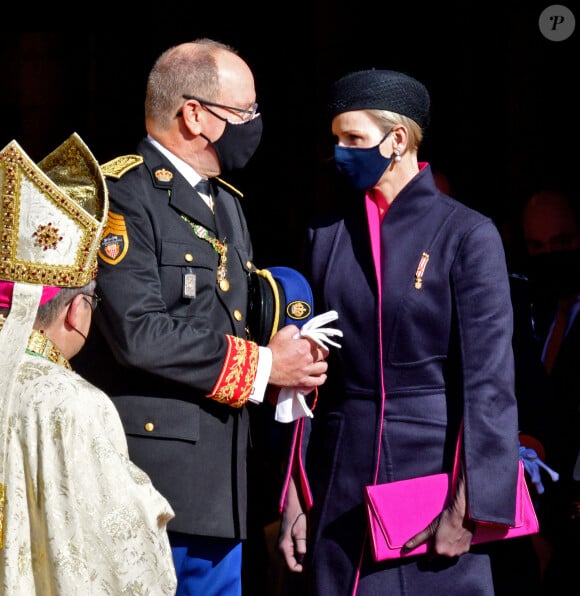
[(236, 379)]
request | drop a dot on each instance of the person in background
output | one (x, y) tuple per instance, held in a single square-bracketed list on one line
[(174, 350), (420, 284), (76, 515), (551, 235)]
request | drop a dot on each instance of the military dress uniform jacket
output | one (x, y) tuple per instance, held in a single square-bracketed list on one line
[(446, 354), (169, 335)]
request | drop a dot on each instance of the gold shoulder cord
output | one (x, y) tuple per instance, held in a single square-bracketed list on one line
[(265, 273), (230, 187)]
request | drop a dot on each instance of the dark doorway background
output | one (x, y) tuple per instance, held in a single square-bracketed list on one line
[(504, 98)]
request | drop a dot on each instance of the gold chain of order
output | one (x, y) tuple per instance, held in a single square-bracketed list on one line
[(220, 247)]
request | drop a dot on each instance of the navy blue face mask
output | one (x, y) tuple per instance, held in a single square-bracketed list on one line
[(363, 166)]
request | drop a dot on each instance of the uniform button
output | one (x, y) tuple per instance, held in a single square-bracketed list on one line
[(238, 315), (249, 264), (224, 285), (149, 427), (188, 257)]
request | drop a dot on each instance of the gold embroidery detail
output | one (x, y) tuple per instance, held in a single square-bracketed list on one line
[(69, 186), (40, 345), (121, 165), (235, 383), (47, 236)]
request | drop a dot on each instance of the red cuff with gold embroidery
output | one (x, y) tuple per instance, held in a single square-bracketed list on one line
[(236, 379)]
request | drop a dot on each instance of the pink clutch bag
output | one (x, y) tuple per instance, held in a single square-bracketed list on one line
[(399, 510)]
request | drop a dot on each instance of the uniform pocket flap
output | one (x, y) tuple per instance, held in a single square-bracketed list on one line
[(158, 417)]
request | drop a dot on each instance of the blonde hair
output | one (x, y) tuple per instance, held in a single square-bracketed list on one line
[(389, 119)]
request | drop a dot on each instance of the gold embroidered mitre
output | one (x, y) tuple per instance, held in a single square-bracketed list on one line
[(52, 215)]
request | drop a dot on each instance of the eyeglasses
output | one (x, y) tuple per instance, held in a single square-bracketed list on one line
[(245, 114), (94, 300)]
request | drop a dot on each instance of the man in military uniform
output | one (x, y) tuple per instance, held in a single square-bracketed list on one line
[(173, 350)]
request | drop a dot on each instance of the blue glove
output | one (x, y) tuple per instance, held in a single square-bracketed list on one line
[(532, 465)]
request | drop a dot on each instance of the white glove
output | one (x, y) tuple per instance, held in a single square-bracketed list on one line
[(291, 404)]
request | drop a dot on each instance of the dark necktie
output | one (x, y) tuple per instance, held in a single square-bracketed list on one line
[(203, 187)]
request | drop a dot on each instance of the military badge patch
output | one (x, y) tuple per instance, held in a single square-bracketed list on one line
[(163, 175), (115, 242), (298, 310)]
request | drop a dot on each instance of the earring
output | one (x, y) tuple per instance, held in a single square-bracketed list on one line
[(397, 155)]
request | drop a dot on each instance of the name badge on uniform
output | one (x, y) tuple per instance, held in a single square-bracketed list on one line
[(188, 290)]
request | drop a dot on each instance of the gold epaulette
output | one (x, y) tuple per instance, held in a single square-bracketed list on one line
[(230, 187), (121, 165)]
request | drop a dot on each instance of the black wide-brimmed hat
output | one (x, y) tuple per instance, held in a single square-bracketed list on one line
[(375, 89)]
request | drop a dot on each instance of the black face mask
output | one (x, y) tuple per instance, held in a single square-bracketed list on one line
[(238, 143), (554, 275)]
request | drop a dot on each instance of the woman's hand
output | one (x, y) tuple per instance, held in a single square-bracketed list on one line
[(451, 531), (292, 541)]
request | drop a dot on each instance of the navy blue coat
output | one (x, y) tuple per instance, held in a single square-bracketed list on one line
[(447, 354)]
